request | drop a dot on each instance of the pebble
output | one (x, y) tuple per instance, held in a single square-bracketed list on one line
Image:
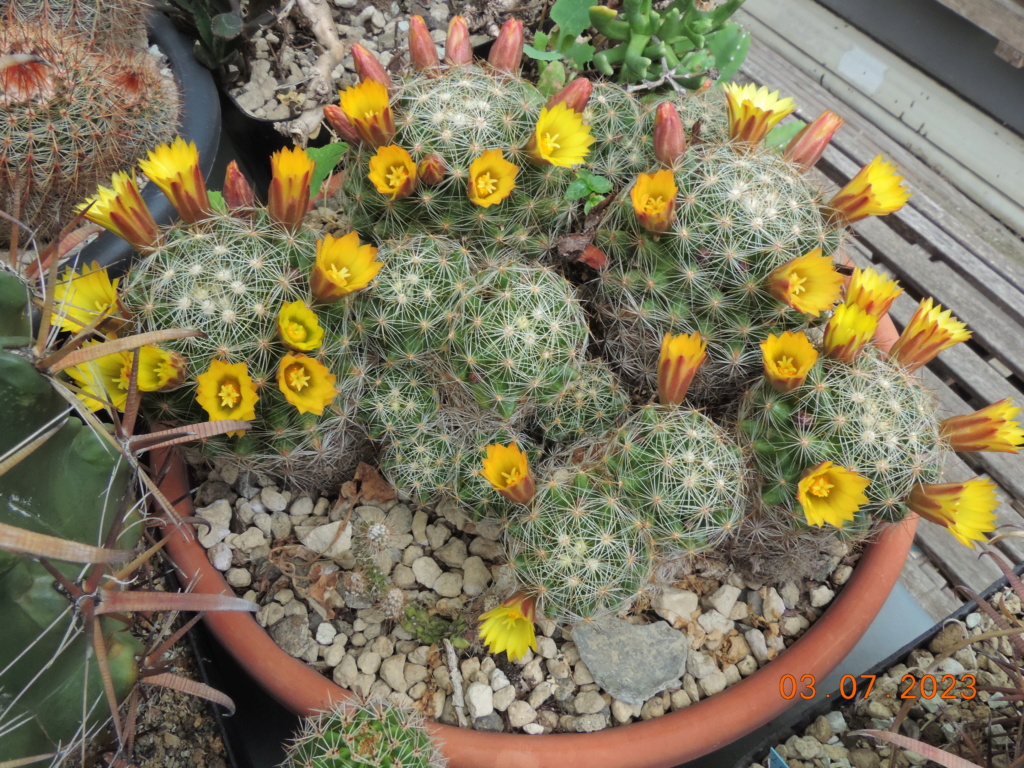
[(821, 596), (330, 540), (220, 556), (503, 698), (426, 571), (274, 500), (479, 700), (218, 515), (589, 702), (520, 713), (676, 606)]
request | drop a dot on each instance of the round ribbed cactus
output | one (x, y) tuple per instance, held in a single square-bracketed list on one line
[(101, 21), (741, 214), (869, 416), (591, 404), (371, 733), (230, 277), (73, 114)]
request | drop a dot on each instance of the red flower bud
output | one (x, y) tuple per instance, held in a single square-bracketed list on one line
[(368, 67), (340, 124), (431, 170), (669, 136), (507, 51), (422, 52), (806, 148), (457, 50), (237, 191), (575, 95)]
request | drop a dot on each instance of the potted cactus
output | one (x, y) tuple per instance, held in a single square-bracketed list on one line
[(617, 325), (84, 98)]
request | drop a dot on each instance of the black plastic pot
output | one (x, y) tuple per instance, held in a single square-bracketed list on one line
[(200, 122)]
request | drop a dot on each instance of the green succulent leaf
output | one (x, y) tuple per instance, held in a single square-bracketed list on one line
[(534, 53), (227, 26), (779, 136), (571, 16), (326, 158)]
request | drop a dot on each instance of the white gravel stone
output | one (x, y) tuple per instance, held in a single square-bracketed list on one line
[(426, 571), (724, 598), (791, 626), (238, 577), (713, 683), (448, 584), (504, 698), (541, 693), (419, 527), (274, 500), (280, 526), (546, 648), (263, 521), (330, 540), (713, 620), (589, 702), (335, 653), (675, 605), (774, 605), (403, 577), (392, 672), (821, 596), (346, 672), (520, 713), (756, 643), (301, 507), (581, 674), (369, 662), (534, 729), (220, 556), (453, 553), (499, 680), (479, 699), (269, 614), (700, 665), (326, 633), (218, 515)]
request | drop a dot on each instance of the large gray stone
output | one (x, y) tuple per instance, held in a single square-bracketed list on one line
[(632, 663)]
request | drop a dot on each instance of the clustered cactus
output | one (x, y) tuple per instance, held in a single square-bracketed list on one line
[(467, 334), (80, 101)]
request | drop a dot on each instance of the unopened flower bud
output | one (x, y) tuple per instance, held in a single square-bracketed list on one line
[(669, 136), (368, 67), (340, 124), (431, 170), (237, 191), (507, 51), (806, 148), (422, 52), (575, 95), (457, 50)]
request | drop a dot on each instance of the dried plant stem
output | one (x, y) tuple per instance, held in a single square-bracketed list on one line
[(321, 86), (458, 702)]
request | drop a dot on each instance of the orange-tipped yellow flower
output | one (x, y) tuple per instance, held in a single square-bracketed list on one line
[(560, 138), (654, 200), (964, 509), (432, 170), (225, 391), (990, 429), (806, 148), (109, 377), (876, 190), (754, 111), (669, 136), (422, 52), (291, 175), (809, 284), (367, 108), (306, 383), (78, 299), (507, 51), (237, 191), (393, 172), (368, 68), (507, 469), (831, 494), (929, 332), (491, 178), (787, 358), (680, 357), (872, 291), (574, 95), (123, 212), (343, 265), (457, 48), (174, 168), (160, 370), (509, 627), (298, 327), (848, 331)]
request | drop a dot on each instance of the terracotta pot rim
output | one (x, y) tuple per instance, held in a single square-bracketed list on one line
[(665, 741)]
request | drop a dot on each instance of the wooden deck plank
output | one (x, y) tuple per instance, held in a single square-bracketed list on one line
[(927, 586)]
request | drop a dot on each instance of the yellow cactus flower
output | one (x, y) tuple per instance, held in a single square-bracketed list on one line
[(509, 627), (754, 111), (654, 200), (964, 509), (174, 168), (787, 358), (849, 329), (876, 190), (872, 291), (929, 332), (808, 283), (299, 327), (291, 172), (306, 383), (991, 428), (393, 172), (102, 380), (78, 299), (491, 178), (159, 369), (367, 108), (680, 357), (225, 391), (831, 494), (508, 470), (560, 138), (342, 266), (123, 212)]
